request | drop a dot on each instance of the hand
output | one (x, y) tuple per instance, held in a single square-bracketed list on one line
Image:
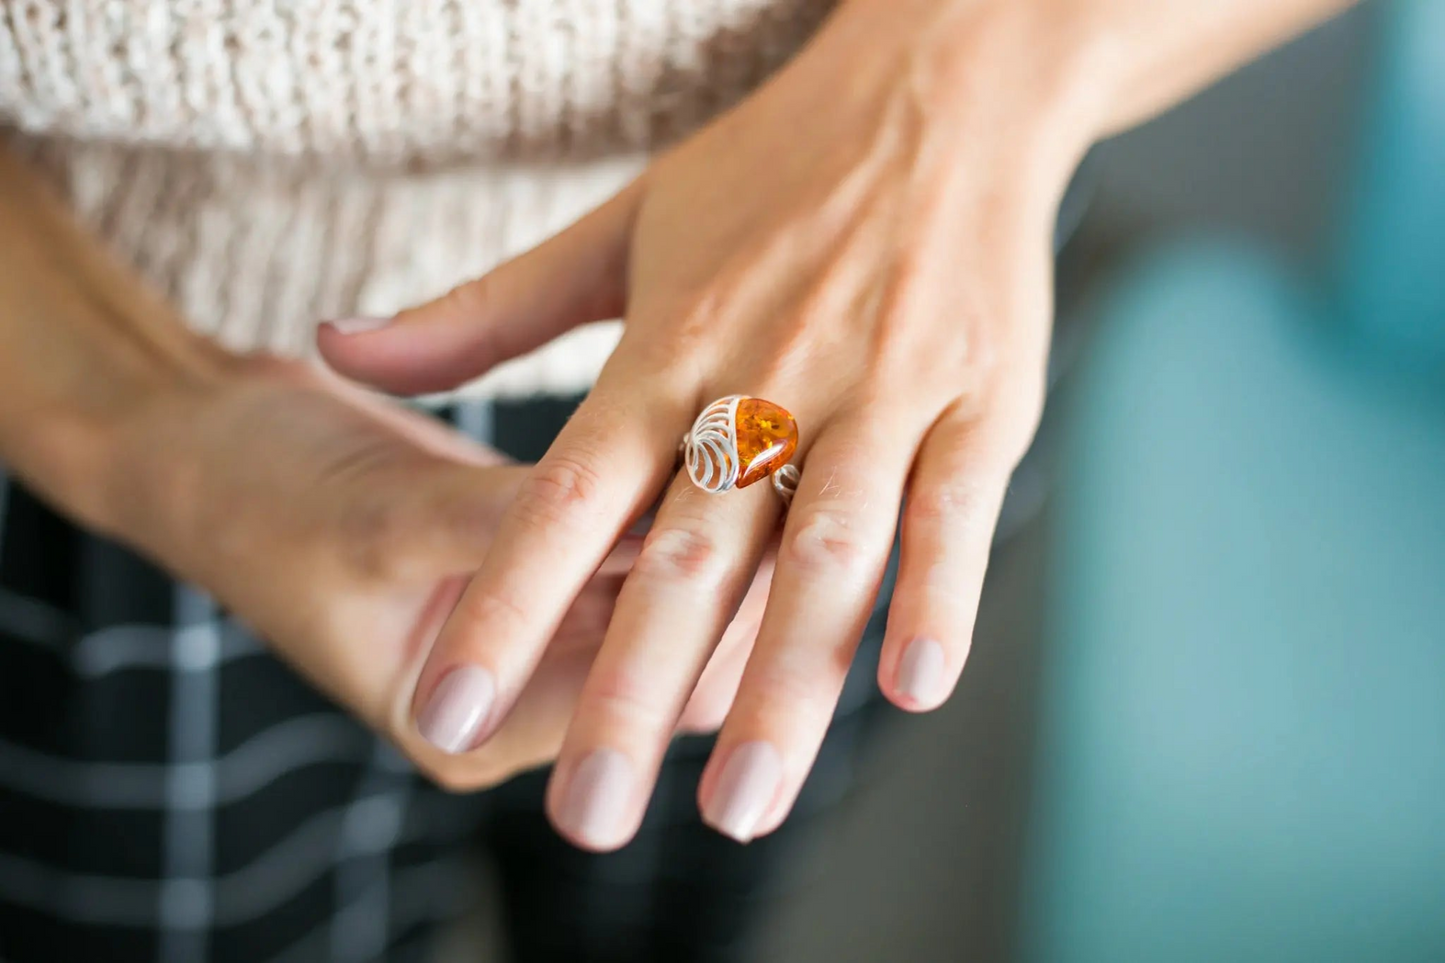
[(340, 528), (859, 243), (337, 525)]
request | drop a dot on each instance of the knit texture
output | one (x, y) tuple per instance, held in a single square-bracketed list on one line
[(269, 163)]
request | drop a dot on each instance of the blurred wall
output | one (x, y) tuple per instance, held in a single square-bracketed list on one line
[(1261, 152)]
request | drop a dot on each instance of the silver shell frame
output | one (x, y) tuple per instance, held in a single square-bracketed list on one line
[(710, 449), (710, 452)]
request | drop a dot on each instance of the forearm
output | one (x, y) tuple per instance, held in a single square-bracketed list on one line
[(85, 347), (1160, 51), (1108, 64)]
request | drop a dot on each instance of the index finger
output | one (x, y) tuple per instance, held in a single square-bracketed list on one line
[(604, 469)]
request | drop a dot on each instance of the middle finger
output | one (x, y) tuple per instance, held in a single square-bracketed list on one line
[(691, 575), (834, 551)]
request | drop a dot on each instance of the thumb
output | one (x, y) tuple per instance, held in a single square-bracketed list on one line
[(580, 275)]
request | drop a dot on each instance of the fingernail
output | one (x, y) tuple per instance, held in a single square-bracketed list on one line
[(745, 790), (595, 804), (920, 672), (358, 325), (458, 706)]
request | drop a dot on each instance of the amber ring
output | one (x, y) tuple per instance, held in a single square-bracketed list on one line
[(739, 440)]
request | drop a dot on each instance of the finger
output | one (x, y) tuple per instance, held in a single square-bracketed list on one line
[(710, 701), (576, 277), (695, 566), (448, 515), (953, 503), (417, 519), (409, 538), (834, 550), (534, 728), (603, 471)]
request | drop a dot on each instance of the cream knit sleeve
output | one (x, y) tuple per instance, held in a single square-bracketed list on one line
[(269, 163)]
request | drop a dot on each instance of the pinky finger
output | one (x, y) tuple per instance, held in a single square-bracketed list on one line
[(949, 516)]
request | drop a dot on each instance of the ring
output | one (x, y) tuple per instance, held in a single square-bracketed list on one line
[(739, 440)]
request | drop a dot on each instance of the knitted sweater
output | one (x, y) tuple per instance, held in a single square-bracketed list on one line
[(267, 163)]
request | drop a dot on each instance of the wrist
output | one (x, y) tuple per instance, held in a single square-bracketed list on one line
[(79, 421), (86, 351), (1028, 80)]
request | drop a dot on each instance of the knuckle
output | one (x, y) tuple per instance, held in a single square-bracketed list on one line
[(619, 696), (560, 489), (469, 300), (947, 502), (802, 692), (827, 541), (681, 555), (498, 613), (673, 359)]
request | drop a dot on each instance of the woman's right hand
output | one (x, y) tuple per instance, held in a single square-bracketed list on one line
[(342, 528), (337, 525)]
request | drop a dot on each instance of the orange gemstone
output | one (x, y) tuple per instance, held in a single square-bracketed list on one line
[(767, 435)]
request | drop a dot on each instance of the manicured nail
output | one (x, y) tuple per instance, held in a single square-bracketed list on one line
[(745, 790), (595, 803), (458, 706), (358, 325), (920, 672)]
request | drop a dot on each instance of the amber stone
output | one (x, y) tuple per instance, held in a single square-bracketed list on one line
[(767, 435)]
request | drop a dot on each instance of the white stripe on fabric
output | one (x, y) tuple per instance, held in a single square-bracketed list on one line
[(187, 831), (79, 899), (476, 418), (277, 874), (359, 930), (424, 894), (293, 863), (112, 649), (297, 742), (145, 646)]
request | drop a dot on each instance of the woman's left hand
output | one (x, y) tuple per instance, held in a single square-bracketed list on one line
[(867, 242)]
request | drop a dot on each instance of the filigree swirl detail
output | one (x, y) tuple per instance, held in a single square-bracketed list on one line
[(711, 448)]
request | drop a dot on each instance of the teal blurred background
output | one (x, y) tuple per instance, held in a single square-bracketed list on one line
[(1241, 743)]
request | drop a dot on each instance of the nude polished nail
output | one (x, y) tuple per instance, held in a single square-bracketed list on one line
[(458, 707), (596, 800), (920, 672), (745, 790)]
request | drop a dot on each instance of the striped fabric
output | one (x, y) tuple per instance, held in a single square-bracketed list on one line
[(171, 792)]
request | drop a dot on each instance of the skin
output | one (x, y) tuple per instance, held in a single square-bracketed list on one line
[(336, 524), (865, 240)]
